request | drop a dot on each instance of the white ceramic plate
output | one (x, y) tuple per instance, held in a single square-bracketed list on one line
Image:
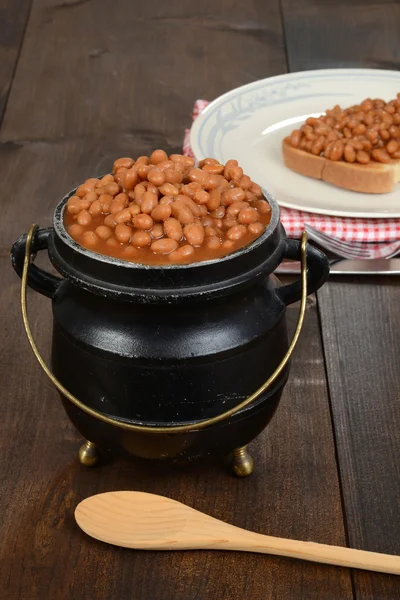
[(249, 123)]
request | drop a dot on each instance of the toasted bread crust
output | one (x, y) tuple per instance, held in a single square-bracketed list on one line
[(373, 178)]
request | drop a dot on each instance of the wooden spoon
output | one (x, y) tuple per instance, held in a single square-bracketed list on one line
[(151, 522)]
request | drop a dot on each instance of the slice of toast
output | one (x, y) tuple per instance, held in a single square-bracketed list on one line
[(373, 178)]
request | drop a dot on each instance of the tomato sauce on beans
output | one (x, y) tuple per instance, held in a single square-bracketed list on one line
[(363, 133), (163, 209)]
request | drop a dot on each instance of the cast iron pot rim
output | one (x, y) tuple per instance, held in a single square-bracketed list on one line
[(58, 224), (239, 415)]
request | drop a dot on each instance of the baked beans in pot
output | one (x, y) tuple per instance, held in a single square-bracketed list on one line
[(166, 345)]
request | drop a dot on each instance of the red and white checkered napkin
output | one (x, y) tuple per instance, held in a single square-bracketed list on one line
[(372, 231)]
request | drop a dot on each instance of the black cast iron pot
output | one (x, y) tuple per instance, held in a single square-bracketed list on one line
[(138, 349)]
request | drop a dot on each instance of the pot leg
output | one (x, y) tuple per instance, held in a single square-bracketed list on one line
[(88, 454), (243, 463)]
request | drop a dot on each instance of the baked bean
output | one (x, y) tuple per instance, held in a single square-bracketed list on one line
[(109, 221), (76, 204), (195, 208), (167, 189), (362, 157), (194, 233), (124, 216), (295, 138), (236, 173), (222, 186), (209, 231), (142, 221), (201, 197), (214, 199), (143, 170), (248, 215), (111, 188), (165, 164), (207, 220), (105, 180), (392, 146), (164, 246), (161, 212), (198, 176), (173, 229), (140, 191), (396, 154), (236, 232), (208, 161), (90, 239), (173, 176), (131, 195), (130, 179), (142, 160), (90, 197), (218, 223), (166, 200), (129, 252), (123, 163), (380, 155), (134, 209), (103, 232), (245, 182), (123, 233), (177, 158), (256, 228), (157, 231), (84, 218), (88, 186), (229, 221), (75, 230), (141, 239), (235, 208), (119, 203), (337, 150), (112, 243), (349, 153), (202, 208), (262, 206), (318, 145), (232, 195), (158, 156), (218, 212), (95, 208), (228, 244), (190, 189), (213, 168), (149, 202), (250, 197), (182, 212), (213, 243), (182, 253), (230, 164), (156, 176)]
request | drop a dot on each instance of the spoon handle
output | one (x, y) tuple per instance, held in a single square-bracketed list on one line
[(321, 553)]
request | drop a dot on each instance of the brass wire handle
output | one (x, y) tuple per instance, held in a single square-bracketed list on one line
[(155, 429)]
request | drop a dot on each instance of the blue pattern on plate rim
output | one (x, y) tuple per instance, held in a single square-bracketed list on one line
[(243, 104)]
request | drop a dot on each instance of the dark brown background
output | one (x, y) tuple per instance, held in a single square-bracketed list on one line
[(84, 81)]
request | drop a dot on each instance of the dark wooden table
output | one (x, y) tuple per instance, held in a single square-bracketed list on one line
[(82, 82)]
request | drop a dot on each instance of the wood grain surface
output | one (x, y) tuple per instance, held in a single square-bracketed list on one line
[(359, 316), (94, 80)]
